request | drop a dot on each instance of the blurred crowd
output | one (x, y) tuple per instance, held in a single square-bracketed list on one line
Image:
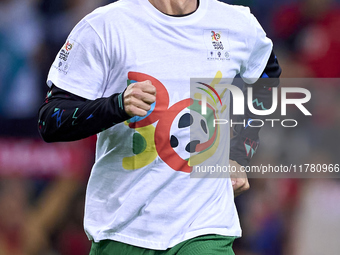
[(42, 215)]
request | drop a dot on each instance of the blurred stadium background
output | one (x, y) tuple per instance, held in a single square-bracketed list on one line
[(42, 185)]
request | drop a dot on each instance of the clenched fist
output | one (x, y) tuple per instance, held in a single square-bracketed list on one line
[(138, 98)]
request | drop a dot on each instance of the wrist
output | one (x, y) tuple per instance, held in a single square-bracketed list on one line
[(118, 104)]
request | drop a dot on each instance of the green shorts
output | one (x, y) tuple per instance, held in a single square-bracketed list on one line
[(201, 245)]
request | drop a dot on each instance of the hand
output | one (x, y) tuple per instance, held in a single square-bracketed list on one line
[(138, 98), (239, 179)]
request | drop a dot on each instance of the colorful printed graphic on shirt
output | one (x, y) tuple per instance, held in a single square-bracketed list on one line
[(182, 136)]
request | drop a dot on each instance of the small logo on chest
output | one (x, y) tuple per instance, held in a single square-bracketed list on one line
[(217, 44)]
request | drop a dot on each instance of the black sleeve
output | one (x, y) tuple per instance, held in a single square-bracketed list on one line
[(67, 117), (245, 140)]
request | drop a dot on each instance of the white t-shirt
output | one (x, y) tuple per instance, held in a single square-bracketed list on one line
[(140, 191)]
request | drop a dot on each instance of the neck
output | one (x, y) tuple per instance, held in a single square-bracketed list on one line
[(175, 7)]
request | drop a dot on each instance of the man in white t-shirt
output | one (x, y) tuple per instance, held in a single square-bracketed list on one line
[(125, 73)]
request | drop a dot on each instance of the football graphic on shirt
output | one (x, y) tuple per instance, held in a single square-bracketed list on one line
[(188, 129), (180, 135)]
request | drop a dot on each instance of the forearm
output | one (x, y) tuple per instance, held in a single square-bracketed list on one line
[(67, 117), (245, 141)]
